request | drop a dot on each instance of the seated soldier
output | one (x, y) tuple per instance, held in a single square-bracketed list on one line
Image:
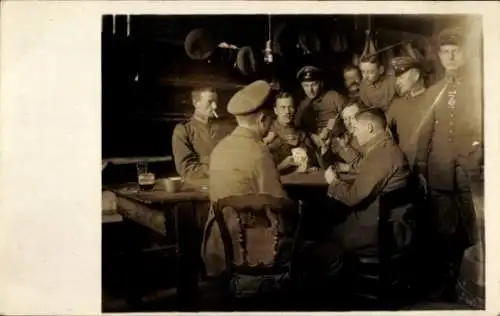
[(382, 169), (346, 147), (283, 137), (241, 164), (377, 89), (194, 140)]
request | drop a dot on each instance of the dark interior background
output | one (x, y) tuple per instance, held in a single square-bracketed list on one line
[(147, 75)]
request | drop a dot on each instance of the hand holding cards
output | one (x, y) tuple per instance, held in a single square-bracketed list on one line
[(300, 158)]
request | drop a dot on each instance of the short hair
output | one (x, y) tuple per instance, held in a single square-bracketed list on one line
[(283, 95), (357, 103), (373, 59), (350, 67), (196, 93), (374, 115)]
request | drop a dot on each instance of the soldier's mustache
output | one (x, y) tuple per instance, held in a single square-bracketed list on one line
[(354, 86)]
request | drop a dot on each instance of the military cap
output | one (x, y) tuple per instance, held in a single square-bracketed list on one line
[(309, 73), (249, 99), (450, 36), (400, 65), (199, 44)]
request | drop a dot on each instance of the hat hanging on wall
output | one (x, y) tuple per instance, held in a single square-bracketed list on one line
[(245, 61), (369, 48), (199, 44), (336, 43), (309, 42), (278, 45)]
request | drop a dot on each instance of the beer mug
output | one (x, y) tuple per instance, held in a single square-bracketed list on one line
[(145, 179)]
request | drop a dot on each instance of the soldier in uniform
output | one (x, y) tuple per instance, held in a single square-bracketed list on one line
[(450, 152), (409, 109), (352, 80), (241, 164), (346, 146), (284, 136), (382, 169), (320, 105), (377, 89), (194, 140)]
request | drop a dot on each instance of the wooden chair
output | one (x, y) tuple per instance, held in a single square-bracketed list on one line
[(382, 280), (257, 245)]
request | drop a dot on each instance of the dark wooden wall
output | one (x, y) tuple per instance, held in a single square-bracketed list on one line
[(147, 76)]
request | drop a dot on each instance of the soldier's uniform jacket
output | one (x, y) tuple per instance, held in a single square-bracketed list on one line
[(404, 117), (313, 115), (192, 144), (350, 153), (382, 169), (449, 134), (240, 164), (280, 148), (380, 95)]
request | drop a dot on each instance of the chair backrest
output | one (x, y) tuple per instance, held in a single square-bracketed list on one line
[(253, 233)]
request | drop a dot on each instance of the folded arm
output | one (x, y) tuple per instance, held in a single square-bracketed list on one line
[(370, 181), (187, 161)]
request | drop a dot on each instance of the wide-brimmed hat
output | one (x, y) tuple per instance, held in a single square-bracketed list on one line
[(309, 42), (246, 61), (199, 44)]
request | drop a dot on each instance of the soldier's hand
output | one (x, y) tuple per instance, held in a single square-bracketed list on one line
[(287, 162), (330, 175), (343, 167), (269, 138), (316, 140), (343, 140)]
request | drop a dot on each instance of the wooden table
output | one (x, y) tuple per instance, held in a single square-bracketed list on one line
[(163, 211)]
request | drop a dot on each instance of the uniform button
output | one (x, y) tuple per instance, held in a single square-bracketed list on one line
[(449, 139)]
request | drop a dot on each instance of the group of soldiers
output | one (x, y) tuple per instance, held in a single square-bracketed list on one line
[(388, 129)]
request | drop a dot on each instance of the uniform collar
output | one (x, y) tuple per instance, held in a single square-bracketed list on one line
[(283, 130), (454, 78), (375, 142), (377, 83), (320, 96), (280, 127), (247, 133), (201, 118)]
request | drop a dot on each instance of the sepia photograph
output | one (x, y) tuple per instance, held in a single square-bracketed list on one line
[(292, 162)]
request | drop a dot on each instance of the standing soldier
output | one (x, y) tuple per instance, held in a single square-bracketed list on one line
[(194, 140), (409, 109), (352, 80), (377, 89), (451, 151), (320, 105)]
